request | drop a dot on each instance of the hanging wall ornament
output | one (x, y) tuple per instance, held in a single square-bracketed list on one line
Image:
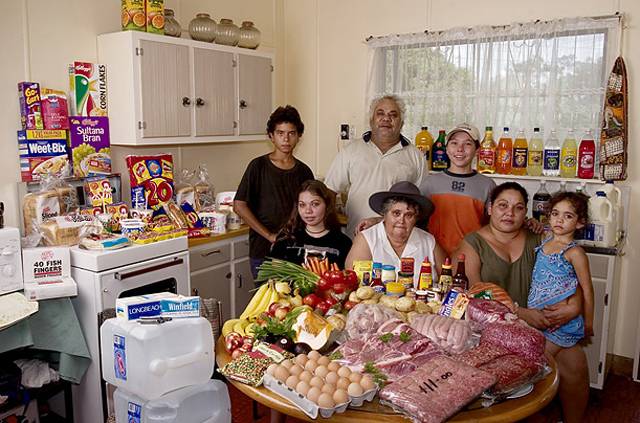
[(615, 126)]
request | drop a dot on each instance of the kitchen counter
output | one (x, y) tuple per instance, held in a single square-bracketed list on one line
[(193, 242)]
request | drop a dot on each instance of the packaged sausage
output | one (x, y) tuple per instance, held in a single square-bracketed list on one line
[(151, 180)]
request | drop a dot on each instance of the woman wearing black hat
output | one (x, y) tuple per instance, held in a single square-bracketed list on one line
[(396, 236)]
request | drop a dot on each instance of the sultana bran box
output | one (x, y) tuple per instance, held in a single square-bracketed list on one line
[(90, 145)]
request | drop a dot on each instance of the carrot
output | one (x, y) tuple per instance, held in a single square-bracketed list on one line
[(334, 266), (323, 265), (314, 265)]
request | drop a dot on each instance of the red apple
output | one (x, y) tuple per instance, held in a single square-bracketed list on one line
[(273, 307), (282, 312), (232, 335), (238, 352), (231, 345), (263, 318)]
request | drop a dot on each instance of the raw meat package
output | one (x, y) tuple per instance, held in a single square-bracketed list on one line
[(482, 354), (517, 337), (151, 180), (481, 312), (450, 334), (395, 350), (436, 390), (491, 291), (367, 318), (512, 372)]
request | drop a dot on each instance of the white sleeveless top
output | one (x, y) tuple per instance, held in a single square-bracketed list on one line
[(420, 244)]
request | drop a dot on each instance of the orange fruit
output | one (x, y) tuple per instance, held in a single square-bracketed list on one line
[(158, 21), (139, 19), (125, 19)]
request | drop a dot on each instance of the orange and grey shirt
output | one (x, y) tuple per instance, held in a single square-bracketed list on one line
[(459, 205)]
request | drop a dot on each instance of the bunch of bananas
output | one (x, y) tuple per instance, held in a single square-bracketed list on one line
[(243, 327), (260, 302)]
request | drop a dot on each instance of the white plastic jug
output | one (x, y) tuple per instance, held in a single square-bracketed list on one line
[(150, 360), (204, 403), (615, 196), (601, 231)]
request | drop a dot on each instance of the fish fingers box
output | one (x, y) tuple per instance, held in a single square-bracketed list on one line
[(90, 145), (88, 89), (42, 152), (30, 105)]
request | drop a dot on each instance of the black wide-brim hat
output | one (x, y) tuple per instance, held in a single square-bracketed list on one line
[(403, 189)]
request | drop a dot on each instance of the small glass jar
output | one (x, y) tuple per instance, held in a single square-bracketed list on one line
[(250, 36), (171, 26), (388, 273), (203, 28), (228, 33), (406, 279)]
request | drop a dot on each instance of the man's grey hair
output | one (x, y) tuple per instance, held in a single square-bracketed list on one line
[(394, 97)]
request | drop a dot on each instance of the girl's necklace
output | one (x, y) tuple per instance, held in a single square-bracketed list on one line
[(315, 232)]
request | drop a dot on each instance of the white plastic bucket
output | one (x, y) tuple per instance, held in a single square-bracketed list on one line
[(205, 403), (615, 196), (150, 360), (601, 231)]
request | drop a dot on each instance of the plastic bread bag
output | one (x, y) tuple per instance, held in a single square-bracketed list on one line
[(68, 195), (69, 230), (40, 206), (204, 190), (367, 318), (183, 188)]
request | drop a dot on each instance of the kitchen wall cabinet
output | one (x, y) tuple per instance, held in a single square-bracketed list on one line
[(221, 270), (164, 90)]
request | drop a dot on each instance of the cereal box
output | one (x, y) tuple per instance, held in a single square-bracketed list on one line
[(42, 152), (118, 212), (151, 180), (98, 190), (88, 89), (90, 146), (55, 114), (133, 15), (155, 16), (30, 105)]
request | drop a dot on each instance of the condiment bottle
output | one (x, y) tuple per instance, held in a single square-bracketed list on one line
[(406, 265), (586, 156), (439, 158), (445, 278), (376, 278), (505, 147), (569, 156), (536, 152), (460, 281), (540, 201), (424, 142), (426, 277), (520, 149), (487, 153)]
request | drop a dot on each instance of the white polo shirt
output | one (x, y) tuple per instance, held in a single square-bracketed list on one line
[(361, 169)]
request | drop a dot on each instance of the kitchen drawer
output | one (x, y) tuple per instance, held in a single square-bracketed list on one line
[(209, 255), (241, 249), (601, 266)]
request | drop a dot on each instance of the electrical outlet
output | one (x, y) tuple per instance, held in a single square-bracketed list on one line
[(344, 131), (352, 132)]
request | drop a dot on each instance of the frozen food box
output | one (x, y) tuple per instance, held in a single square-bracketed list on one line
[(90, 145), (30, 105), (42, 152), (47, 273), (55, 112), (88, 89), (134, 16)]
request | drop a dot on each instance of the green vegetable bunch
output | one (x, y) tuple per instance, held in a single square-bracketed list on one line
[(281, 270)]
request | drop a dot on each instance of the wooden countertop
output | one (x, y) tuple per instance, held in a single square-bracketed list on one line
[(193, 242), (508, 411)]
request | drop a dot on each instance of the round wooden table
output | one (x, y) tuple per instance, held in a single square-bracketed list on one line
[(511, 410)]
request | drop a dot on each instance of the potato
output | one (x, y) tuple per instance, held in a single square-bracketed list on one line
[(422, 307), (405, 304), (389, 301), (335, 321), (353, 297), (365, 292), (403, 316), (370, 301)]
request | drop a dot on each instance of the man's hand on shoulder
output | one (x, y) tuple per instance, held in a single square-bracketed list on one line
[(534, 225), (367, 223)]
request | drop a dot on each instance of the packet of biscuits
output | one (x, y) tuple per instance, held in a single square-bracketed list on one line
[(151, 180)]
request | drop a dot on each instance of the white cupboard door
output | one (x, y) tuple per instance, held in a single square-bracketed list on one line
[(214, 282), (593, 347), (214, 92), (244, 288), (255, 81), (166, 102)]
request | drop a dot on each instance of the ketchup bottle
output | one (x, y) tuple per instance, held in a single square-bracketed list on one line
[(586, 156)]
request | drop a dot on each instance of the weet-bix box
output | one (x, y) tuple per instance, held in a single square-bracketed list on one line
[(88, 88), (90, 145), (42, 152)]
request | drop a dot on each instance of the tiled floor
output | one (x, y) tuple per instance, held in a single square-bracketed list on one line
[(619, 402)]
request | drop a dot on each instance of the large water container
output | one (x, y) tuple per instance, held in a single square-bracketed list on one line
[(601, 230), (615, 196), (150, 360), (204, 403)]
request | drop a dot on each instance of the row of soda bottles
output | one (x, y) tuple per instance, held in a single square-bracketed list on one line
[(520, 157)]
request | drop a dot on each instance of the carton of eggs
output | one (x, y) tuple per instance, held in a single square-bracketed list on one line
[(318, 385)]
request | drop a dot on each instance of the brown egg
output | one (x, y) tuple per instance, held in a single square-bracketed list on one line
[(313, 394), (329, 388), (355, 390), (272, 369), (311, 365), (340, 396), (306, 375), (343, 383), (314, 355), (316, 381), (296, 370), (292, 381), (333, 366), (281, 374), (287, 363), (324, 360), (367, 383), (301, 359), (344, 371), (326, 401), (321, 371), (332, 377), (303, 387), (353, 377)]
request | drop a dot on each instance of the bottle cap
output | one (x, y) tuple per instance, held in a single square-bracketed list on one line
[(424, 128), (461, 256), (447, 262)]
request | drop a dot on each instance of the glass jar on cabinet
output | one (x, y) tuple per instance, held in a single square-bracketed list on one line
[(203, 28), (228, 33), (171, 26), (250, 36)]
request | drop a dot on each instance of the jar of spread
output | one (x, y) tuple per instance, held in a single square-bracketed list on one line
[(406, 279), (388, 273), (406, 265), (395, 289)]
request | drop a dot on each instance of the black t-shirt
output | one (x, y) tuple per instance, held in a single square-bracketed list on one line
[(270, 193), (334, 245)]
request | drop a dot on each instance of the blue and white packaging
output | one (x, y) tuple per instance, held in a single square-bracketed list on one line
[(133, 308), (181, 306)]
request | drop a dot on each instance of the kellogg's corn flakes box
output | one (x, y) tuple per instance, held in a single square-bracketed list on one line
[(88, 89), (155, 16), (134, 16), (90, 145)]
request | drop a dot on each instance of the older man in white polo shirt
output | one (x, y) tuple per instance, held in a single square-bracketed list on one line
[(375, 162)]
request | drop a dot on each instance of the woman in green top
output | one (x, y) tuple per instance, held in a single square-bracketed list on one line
[(502, 252)]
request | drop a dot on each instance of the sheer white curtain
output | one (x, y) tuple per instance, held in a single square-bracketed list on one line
[(539, 74)]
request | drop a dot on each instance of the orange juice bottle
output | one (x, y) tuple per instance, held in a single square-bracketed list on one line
[(487, 153), (424, 142), (505, 147), (520, 149)]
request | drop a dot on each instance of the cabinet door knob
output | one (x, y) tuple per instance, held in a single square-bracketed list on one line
[(243, 104), (239, 281), (199, 102), (195, 291), (186, 101), (228, 275)]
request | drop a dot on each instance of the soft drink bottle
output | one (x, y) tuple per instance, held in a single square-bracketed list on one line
[(536, 152), (520, 149), (505, 146), (569, 156), (540, 200), (439, 158), (424, 142), (586, 156), (551, 156), (487, 153)]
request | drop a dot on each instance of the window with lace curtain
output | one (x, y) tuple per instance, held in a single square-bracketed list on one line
[(549, 74)]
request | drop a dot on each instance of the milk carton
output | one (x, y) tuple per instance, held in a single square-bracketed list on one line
[(150, 360)]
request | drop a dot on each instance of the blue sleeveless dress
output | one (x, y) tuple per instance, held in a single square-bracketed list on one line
[(555, 279)]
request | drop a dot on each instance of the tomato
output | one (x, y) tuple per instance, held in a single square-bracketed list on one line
[(336, 277), (324, 284), (339, 287), (350, 304), (311, 300), (331, 300), (350, 278), (324, 306), (327, 274)]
